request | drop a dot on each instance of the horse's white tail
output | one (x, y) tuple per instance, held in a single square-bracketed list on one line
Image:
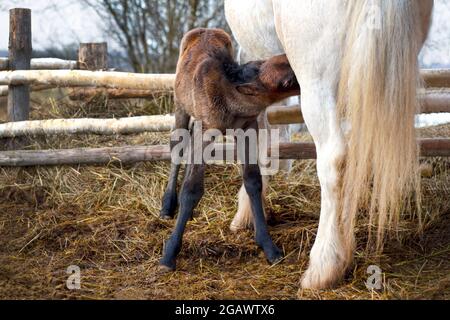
[(378, 96)]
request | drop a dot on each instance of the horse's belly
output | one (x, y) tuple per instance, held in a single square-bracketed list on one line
[(253, 26), (312, 33)]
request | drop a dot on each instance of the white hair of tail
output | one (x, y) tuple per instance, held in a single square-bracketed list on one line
[(378, 95)]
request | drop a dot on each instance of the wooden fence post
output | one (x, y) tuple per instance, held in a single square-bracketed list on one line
[(93, 56), (20, 50)]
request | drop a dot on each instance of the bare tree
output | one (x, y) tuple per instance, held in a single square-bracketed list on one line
[(150, 31)]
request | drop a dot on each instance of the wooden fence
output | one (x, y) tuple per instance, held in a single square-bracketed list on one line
[(21, 74)]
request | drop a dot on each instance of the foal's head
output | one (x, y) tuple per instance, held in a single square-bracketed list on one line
[(271, 80)]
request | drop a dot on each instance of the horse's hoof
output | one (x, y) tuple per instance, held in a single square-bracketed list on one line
[(236, 228), (324, 276)]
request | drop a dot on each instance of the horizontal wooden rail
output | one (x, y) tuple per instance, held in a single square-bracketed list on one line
[(434, 78), (276, 116), (133, 154), (280, 115), (88, 126), (435, 101), (435, 147), (428, 148), (44, 64), (5, 89), (81, 78), (82, 94), (84, 156)]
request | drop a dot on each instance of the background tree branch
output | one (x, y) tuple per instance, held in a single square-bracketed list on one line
[(150, 31)]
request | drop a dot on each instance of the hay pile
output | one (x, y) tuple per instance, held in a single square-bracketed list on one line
[(105, 220)]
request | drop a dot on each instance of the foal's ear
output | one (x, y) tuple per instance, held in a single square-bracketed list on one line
[(250, 89)]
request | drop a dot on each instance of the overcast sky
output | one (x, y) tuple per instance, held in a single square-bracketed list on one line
[(68, 21), (54, 22)]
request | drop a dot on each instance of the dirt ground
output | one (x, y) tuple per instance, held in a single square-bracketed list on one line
[(104, 219)]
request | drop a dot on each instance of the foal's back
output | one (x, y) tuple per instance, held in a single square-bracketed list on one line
[(199, 79)]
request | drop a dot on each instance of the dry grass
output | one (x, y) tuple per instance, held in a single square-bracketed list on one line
[(105, 220)]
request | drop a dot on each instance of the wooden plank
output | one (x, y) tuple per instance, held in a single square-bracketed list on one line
[(436, 78), (80, 94), (81, 78), (129, 125), (298, 151), (165, 82), (84, 156), (89, 93), (435, 147), (4, 89), (20, 50), (428, 148), (435, 101), (93, 56), (133, 154), (280, 115), (53, 64), (44, 64)]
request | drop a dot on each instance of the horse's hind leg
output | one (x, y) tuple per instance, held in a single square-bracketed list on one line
[(244, 216), (332, 252), (170, 200)]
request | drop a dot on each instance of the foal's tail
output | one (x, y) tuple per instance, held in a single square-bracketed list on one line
[(378, 96)]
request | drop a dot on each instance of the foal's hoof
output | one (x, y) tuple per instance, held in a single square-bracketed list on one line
[(275, 257), (165, 216), (167, 266), (167, 212), (165, 269), (169, 206)]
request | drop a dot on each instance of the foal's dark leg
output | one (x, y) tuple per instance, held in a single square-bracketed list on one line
[(190, 195), (253, 185), (170, 200)]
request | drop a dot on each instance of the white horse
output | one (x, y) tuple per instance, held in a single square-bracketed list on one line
[(356, 60)]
